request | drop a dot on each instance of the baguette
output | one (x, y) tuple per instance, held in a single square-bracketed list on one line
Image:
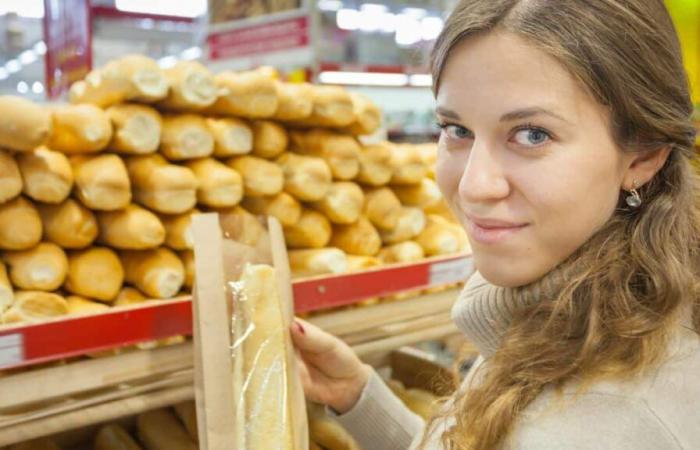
[(439, 237), (408, 166), (137, 129), (20, 225), (283, 206), (269, 139), (260, 177), (35, 306), (295, 101), (359, 238), (368, 117), (147, 83), (41, 268), (94, 273), (185, 136), (306, 178), (250, 94), (231, 136), (312, 230), (219, 186), (79, 129), (160, 430), (178, 232), (69, 224), (187, 258), (10, 177), (114, 437), (192, 87), (340, 151), (307, 263), (382, 208), (410, 224), (131, 228), (375, 165), (332, 107), (162, 187), (101, 182), (342, 204), (81, 305), (241, 226), (47, 175), (403, 252), (129, 296), (357, 263), (187, 412), (426, 194), (24, 125), (158, 273), (6, 291)]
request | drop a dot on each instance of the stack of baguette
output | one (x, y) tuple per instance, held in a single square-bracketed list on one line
[(97, 195)]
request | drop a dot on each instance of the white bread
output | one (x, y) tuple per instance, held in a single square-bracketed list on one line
[(329, 434), (333, 107), (187, 413), (158, 273), (137, 129), (101, 181), (20, 225), (359, 238), (34, 306), (178, 232), (260, 177), (160, 430), (219, 186), (441, 209), (439, 237), (192, 87), (382, 208), (295, 101), (47, 175), (24, 125), (129, 296), (426, 194), (376, 168), (411, 223), (357, 263), (307, 263), (185, 136), (269, 139), (146, 79), (131, 228), (10, 177), (231, 136), (306, 178), (428, 153), (403, 252), (368, 117), (342, 204), (69, 224), (312, 230), (187, 258), (95, 272), (6, 291), (80, 305), (162, 187), (250, 94), (41, 268), (408, 165), (114, 437), (283, 206), (340, 151), (79, 129)]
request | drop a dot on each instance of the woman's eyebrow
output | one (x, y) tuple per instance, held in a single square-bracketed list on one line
[(448, 113), (525, 113)]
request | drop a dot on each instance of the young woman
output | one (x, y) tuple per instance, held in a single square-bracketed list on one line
[(565, 153)]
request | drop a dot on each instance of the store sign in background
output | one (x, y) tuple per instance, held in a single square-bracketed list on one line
[(67, 33), (230, 10)]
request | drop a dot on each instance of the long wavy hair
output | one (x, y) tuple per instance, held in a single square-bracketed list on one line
[(637, 275)]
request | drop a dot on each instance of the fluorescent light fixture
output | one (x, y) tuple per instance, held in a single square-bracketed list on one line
[(388, 23), (181, 8), (38, 87), (364, 78), (330, 5), (40, 48), (430, 28), (13, 66), (408, 30), (22, 87), (417, 13), (371, 21), (32, 9), (191, 53), (4, 74), (27, 57), (373, 8), (167, 62), (421, 80), (348, 19)]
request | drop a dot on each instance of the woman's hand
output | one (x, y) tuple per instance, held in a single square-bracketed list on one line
[(331, 373)]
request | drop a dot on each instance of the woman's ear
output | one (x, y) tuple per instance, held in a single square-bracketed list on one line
[(644, 165)]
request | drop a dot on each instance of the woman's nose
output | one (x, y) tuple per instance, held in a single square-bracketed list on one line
[(483, 179)]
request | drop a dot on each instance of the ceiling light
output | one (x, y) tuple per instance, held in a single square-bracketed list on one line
[(421, 79), (430, 28), (32, 9), (408, 30), (330, 5), (13, 66), (4, 74), (38, 87), (348, 19), (22, 87), (364, 78), (416, 13), (191, 53), (40, 48), (373, 8), (388, 23), (27, 57)]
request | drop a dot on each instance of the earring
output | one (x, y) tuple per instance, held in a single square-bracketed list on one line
[(633, 199)]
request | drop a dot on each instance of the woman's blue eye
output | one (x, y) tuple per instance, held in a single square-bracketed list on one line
[(456, 132), (531, 137)]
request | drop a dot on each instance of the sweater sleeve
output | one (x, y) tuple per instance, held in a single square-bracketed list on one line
[(379, 420)]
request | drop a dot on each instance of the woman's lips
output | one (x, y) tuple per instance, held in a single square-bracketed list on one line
[(491, 231)]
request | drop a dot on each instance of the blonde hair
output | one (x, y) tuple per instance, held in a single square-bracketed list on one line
[(632, 279)]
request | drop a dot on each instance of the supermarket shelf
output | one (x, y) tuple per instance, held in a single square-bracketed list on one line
[(24, 345)]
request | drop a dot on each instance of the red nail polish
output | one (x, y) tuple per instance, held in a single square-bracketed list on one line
[(300, 327)]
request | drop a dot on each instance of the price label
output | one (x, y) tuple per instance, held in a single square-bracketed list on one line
[(11, 350), (449, 272)]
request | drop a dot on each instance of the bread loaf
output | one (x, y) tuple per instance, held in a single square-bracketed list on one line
[(131, 228), (403, 252), (219, 186), (249, 94), (160, 430), (312, 230), (428, 154), (441, 209), (306, 178), (101, 182), (340, 151), (368, 116), (146, 79), (241, 226), (231, 136), (20, 225), (81, 305), (269, 139), (47, 175), (359, 238), (382, 208), (342, 204), (187, 258), (410, 224), (260, 177), (426, 194), (41, 268), (10, 177), (192, 87), (162, 187), (158, 273), (283, 206), (408, 166), (187, 412), (295, 101), (114, 437), (24, 125), (178, 233), (358, 263), (332, 107), (37, 444), (35, 306), (129, 296), (185, 136), (69, 224), (439, 237), (94, 273), (375, 165), (307, 263), (6, 291), (79, 129), (137, 129), (330, 434)]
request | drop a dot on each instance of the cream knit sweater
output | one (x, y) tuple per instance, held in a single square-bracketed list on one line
[(657, 412)]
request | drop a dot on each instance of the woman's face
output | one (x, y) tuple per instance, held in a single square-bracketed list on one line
[(526, 158)]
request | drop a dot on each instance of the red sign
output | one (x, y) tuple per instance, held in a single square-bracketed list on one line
[(68, 36), (270, 37)]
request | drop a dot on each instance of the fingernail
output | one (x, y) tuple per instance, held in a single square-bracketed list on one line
[(300, 328)]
